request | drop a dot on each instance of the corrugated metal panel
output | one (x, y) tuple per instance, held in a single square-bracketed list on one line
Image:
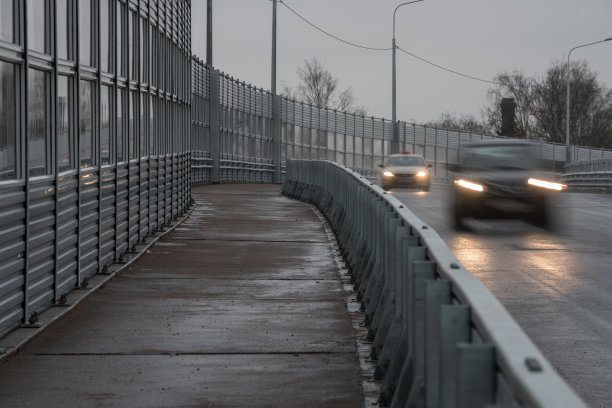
[(107, 238), (88, 223), (121, 235), (153, 194), (133, 199), (67, 238), (12, 252), (144, 199), (41, 254)]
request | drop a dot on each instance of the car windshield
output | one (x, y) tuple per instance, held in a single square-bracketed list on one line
[(405, 161), (500, 157)]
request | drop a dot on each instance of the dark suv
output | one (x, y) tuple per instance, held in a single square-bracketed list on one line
[(502, 179)]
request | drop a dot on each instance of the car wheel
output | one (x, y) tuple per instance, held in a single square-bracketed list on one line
[(457, 216), (386, 186), (540, 217), (426, 188)]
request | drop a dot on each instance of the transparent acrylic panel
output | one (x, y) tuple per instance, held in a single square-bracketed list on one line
[(8, 136), (132, 55), (152, 129), (37, 25), (132, 126), (120, 125), (141, 49), (105, 129), (105, 24), (143, 126), (6, 21), (120, 39), (85, 30), (65, 114), (86, 123), (63, 29), (37, 122)]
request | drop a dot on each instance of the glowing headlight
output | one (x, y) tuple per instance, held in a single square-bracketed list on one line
[(469, 185), (421, 174), (546, 184), (388, 174)]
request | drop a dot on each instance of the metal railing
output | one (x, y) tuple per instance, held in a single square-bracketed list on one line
[(440, 338), (595, 175)]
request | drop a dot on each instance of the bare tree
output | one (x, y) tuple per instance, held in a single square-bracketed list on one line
[(319, 87), (515, 85), (590, 107), (467, 123), (541, 105)]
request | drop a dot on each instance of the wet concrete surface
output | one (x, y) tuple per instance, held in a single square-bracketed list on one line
[(240, 306)]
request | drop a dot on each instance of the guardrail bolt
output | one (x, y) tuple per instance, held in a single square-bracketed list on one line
[(454, 266), (533, 364)]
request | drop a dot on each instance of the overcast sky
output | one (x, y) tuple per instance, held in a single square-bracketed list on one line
[(480, 38)]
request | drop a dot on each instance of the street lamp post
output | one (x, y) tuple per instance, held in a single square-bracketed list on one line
[(273, 80), (395, 140), (568, 150)]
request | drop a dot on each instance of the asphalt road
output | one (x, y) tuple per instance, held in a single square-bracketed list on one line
[(557, 285)]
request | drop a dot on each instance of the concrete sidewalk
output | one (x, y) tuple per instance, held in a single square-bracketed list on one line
[(240, 306)]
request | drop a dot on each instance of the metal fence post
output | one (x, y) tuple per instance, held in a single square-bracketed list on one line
[(276, 137)]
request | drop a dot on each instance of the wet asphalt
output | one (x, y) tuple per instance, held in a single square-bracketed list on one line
[(241, 305)]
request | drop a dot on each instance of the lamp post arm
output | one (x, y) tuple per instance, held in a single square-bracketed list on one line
[(395, 11), (568, 152)]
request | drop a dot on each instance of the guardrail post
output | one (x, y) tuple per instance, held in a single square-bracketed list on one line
[(411, 380), (454, 328), (475, 375), (214, 133), (437, 293)]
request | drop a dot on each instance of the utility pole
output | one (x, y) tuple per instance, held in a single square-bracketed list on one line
[(273, 86), (209, 39)]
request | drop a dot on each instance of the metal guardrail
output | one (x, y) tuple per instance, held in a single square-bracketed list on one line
[(593, 175), (441, 339)]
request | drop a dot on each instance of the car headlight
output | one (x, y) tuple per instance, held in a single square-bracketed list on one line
[(546, 184), (469, 185), (388, 174), (421, 173)]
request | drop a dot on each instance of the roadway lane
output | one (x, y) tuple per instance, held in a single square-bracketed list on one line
[(558, 286)]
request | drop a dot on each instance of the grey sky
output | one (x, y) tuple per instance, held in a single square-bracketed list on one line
[(480, 38)]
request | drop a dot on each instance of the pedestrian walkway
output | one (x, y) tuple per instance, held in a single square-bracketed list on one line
[(240, 306)]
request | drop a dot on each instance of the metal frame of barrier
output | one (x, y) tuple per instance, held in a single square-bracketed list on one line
[(440, 338), (230, 117), (94, 142)]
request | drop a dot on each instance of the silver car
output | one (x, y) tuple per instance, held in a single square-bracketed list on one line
[(405, 170)]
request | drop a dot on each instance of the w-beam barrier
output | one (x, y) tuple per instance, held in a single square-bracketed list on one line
[(594, 175), (439, 337)]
